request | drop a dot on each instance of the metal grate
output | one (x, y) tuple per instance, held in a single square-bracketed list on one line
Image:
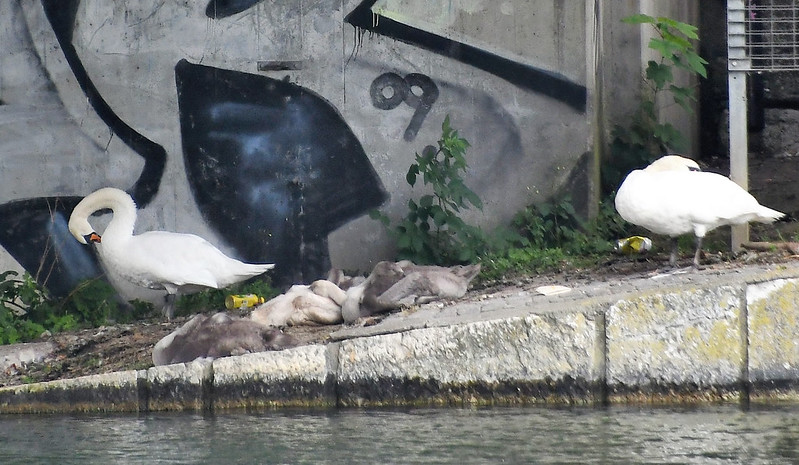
[(764, 34)]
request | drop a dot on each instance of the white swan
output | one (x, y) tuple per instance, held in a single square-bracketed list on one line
[(172, 261), (672, 197)]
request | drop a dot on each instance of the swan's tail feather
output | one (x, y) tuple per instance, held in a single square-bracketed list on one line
[(767, 215), (254, 269), (240, 271)]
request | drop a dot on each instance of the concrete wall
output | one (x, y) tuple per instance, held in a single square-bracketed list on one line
[(272, 128), (624, 57), (687, 123)]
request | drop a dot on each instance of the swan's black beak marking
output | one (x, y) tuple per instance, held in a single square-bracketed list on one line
[(93, 237)]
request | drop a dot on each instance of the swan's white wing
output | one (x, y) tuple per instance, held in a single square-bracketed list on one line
[(650, 200), (179, 259), (720, 201), (184, 259)]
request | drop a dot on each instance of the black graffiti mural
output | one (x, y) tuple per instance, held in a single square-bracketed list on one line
[(61, 15), (389, 90), (273, 166), (526, 77), (217, 9), (34, 230)]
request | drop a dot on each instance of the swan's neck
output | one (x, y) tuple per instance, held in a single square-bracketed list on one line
[(121, 225), (124, 214)]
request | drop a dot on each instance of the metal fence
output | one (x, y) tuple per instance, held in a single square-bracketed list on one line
[(764, 34)]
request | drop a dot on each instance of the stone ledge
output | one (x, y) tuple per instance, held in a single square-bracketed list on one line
[(299, 377), (111, 392), (686, 338), (20, 354)]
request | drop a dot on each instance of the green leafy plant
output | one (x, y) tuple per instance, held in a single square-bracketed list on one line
[(517, 261), (556, 224), (91, 303), (607, 226), (27, 310), (646, 138), (550, 225), (551, 236), (16, 296), (433, 231)]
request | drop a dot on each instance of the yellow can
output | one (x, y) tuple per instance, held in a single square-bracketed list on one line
[(242, 301), (633, 245)]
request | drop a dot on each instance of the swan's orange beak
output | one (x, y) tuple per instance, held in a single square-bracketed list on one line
[(93, 237)]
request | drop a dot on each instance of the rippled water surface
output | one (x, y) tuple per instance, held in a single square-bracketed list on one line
[(615, 435)]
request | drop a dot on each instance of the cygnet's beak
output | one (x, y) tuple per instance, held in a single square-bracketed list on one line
[(93, 237)]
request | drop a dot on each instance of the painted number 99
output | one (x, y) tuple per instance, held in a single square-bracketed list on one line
[(417, 90)]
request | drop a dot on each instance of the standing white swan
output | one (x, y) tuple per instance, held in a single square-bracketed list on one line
[(672, 197), (157, 259)]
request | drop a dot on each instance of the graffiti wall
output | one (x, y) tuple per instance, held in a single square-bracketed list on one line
[(273, 127)]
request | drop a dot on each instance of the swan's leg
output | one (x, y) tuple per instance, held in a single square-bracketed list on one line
[(169, 305), (675, 250), (698, 252)]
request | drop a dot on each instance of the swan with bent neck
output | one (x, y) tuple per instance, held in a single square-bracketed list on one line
[(672, 196), (178, 263)]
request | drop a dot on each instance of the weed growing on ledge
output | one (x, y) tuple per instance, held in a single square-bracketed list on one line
[(27, 310), (16, 296), (433, 232), (551, 236)]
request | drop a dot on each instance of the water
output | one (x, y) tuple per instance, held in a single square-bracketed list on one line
[(616, 435)]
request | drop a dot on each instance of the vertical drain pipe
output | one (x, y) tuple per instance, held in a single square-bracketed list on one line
[(596, 94), (737, 65)]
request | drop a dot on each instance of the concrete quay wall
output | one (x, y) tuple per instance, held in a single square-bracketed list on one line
[(726, 336)]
